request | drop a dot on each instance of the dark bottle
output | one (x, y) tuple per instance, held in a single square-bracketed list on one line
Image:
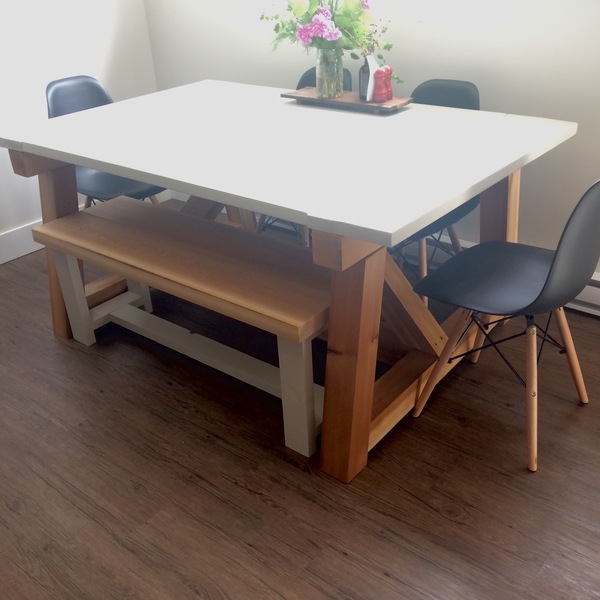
[(363, 80)]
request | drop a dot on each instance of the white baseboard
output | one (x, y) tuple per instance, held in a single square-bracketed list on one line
[(17, 242), (589, 300)]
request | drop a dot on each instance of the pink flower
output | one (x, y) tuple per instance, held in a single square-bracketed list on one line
[(365, 4), (332, 33), (324, 12), (320, 26), (324, 28), (304, 33)]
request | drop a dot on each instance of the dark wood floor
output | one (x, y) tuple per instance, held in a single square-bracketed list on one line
[(129, 472)]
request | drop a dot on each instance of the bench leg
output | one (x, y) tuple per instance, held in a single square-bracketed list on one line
[(73, 291), (297, 395), (143, 291), (83, 320)]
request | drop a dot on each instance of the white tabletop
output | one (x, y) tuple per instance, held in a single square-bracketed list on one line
[(376, 178)]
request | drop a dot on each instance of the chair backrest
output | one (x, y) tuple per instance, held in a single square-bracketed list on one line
[(309, 79), (576, 256), (73, 94), (447, 92)]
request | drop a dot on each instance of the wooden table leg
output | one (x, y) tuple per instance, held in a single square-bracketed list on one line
[(353, 338), (58, 196), (353, 334), (499, 216)]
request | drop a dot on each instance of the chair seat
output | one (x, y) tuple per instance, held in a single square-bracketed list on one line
[(476, 278), (105, 186)]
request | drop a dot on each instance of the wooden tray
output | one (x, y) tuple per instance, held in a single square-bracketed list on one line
[(347, 101)]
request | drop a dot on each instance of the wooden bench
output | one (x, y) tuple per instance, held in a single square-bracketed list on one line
[(260, 281)]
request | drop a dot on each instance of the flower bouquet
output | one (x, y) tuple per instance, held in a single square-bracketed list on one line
[(329, 26)]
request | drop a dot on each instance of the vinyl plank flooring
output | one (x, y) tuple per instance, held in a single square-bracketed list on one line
[(131, 472)]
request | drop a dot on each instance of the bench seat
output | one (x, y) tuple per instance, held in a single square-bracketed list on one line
[(252, 278)]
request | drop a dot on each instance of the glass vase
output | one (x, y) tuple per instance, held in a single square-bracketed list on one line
[(330, 73)]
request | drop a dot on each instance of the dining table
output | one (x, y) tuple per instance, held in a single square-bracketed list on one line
[(361, 182)]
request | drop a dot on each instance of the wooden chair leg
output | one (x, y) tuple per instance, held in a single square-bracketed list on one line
[(531, 394), (567, 341), (438, 369), (454, 239)]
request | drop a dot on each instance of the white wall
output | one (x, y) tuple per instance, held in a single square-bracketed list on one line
[(527, 56), (44, 40), (533, 57)]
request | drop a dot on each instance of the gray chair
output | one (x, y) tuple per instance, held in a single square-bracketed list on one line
[(494, 281), (452, 93), (81, 92)]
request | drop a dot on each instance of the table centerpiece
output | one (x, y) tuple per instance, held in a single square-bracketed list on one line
[(329, 26)]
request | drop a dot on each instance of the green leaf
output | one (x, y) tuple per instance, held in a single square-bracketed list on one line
[(314, 4), (299, 7), (354, 6)]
